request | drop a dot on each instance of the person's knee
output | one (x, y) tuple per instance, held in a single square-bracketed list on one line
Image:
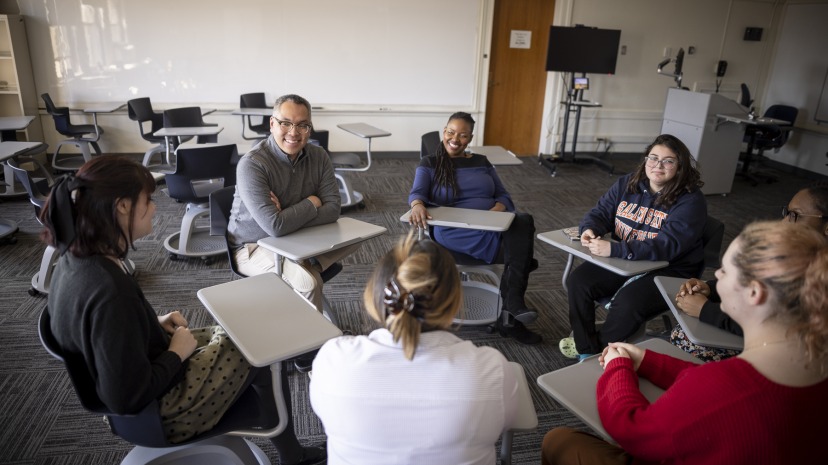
[(556, 445)]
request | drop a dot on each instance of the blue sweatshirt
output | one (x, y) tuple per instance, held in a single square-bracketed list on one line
[(644, 231)]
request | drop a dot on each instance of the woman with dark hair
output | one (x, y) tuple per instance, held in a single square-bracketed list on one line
[(656, 213), (451, 177), (768, 405), (808, 209), (99, 313), (412, 391)]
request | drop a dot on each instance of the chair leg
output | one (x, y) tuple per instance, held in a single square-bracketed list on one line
[(506, 448)]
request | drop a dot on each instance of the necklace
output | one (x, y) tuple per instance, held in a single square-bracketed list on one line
[(765, 344)]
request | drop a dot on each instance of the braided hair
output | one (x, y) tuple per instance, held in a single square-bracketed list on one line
[(444, 173)]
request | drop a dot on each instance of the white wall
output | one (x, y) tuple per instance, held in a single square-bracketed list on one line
[(633, 99), (799, 66), (401, 66)]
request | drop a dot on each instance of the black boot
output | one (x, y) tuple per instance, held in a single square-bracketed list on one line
[(518, 248), (516, 330)]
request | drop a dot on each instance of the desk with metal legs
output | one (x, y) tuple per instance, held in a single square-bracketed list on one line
[(316, 240), (496, 154), (9, 125), (167, 133), (697, 331), (574, 387), (349, 196), (757, 123), (269, 323), (619, 266), (248, 112), (9, 150)]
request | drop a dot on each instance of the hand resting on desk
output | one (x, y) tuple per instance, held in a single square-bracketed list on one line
[(621, 349), (597, 246), (692, 296)]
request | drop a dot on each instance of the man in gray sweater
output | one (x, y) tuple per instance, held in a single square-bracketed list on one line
[(283, 185)]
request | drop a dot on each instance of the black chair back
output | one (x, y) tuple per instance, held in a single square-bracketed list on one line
[(38, 190), (320, 138), (188, 117), (61, 117), (772, 137), (429, 143), (140, 110), (744, 96), (256, 100), (221, 202), (195, 165), (712, 238)]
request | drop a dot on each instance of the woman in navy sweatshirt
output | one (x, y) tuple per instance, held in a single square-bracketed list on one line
[(655, 213)]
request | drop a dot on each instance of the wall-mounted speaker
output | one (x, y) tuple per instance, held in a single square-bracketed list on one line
[(753, 33)]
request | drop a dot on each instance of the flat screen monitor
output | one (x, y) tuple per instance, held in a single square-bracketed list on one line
[(581, 83), (582, 49)]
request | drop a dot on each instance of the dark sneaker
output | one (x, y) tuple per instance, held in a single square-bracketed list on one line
[(314, 456), (524, 315), (304, 362), (519, 332)]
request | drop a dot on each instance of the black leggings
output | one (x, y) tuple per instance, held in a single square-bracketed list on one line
[(633, 305)]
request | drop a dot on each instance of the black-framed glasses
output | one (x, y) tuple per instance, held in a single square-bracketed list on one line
[(667, 163), (792, 216), (461, 136), (287, 126)]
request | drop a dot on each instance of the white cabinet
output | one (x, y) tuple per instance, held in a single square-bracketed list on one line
[(18, 96)]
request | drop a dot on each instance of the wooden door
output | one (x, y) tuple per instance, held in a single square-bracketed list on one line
[(517, 76)]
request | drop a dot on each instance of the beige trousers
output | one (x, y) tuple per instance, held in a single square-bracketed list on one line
[(304, 277)]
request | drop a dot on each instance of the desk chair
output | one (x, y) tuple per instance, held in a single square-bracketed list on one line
[(767, 136), (221, 202), (429, 143), (38, 191), (744, 96), (482, 302), (348, 196), (259, 411), (140, 110), (79, 136), (262, 128), (187, 117), (199, 171)]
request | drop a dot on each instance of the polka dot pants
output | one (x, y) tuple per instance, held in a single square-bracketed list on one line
[(215, 372)]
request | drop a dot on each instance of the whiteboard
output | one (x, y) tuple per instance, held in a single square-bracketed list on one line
[(381, 53)]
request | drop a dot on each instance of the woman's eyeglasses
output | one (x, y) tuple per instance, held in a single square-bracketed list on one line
[(792, 216), (667, 163)]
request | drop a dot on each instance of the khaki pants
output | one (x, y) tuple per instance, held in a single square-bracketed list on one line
[(305, 278), (566, 446)]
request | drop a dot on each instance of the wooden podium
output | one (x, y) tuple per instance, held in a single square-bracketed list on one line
[(715, 144)]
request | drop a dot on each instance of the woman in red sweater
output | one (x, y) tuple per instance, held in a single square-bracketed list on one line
[(766, 406)]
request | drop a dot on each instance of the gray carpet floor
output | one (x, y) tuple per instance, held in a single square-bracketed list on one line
[(41, 421)]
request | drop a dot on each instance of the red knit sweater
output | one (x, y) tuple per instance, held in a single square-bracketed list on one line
[(718, 413)]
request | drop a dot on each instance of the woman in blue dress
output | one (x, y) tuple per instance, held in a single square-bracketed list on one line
[(452, 177)]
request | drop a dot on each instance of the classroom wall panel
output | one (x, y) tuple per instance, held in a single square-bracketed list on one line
[(379, 55)]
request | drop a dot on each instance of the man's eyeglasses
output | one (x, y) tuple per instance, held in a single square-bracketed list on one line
[(792, 216), (287, 126), (667, 163), (461, 136)]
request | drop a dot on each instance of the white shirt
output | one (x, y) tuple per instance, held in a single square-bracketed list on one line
[(449, 405)]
